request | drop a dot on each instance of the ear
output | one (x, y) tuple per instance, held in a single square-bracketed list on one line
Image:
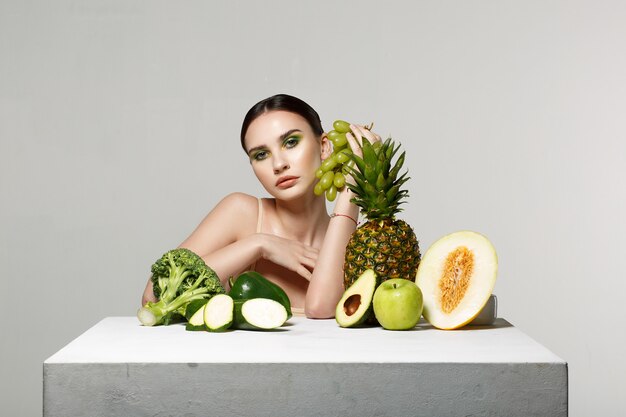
[(327, 148)]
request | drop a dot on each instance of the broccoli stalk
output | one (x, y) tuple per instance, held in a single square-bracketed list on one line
[(179, 277)]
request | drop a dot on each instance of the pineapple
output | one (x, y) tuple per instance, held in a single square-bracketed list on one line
[(384, 244)]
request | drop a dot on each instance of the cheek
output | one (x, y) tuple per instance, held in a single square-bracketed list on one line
[(259, 172), (310, 157)]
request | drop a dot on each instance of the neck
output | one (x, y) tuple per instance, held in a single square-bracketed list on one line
[(302, 219)]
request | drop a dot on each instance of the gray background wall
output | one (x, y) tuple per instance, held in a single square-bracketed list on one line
[(119, 124)]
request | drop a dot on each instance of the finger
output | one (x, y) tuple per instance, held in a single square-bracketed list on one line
[(307, 250), (311, 249), (357, 131), (356, 146), (305, 273), (308, 262), (369, 135), (310, 255)]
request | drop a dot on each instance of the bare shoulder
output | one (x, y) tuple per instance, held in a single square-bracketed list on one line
[(241, 208), (239, 203), (234, 217)]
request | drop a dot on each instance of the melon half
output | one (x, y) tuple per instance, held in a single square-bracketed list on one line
[(457, 275)]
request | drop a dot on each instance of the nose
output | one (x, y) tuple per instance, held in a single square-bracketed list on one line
[(280, 164)]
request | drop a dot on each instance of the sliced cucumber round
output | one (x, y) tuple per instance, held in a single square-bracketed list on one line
[(218, 313), (194, 313), (259, 314)]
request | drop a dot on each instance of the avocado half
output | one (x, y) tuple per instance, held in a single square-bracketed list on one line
[(355, 306)]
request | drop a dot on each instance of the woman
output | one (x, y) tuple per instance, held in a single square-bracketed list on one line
[(290, 238)]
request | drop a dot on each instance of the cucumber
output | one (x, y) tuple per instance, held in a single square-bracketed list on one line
[(251, 284), (259, 314), (194, 313), (218, 313)]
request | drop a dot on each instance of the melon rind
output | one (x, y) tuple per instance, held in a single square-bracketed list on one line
[(481, 283)]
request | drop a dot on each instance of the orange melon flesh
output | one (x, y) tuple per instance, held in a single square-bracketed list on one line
[(457, 275)]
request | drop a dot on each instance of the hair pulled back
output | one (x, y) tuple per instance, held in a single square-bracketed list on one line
[(283, 102)]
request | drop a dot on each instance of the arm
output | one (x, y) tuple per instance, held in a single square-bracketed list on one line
[(224, 241), (221, 239), (326, 286)]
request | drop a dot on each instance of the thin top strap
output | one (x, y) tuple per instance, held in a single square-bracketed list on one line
[(259, 222)]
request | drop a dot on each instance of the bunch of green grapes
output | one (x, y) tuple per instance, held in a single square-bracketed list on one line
[(332, 172)]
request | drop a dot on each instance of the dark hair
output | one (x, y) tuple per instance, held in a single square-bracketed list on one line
[(283, 102)]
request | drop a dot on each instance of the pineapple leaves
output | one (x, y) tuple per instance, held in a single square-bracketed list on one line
[(396, 168), (360, 163), (378, 188), (370, 159), (369, 154), (381, 181), (370, 189)]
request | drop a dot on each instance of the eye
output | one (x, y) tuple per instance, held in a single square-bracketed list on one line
[(260, 155), (291, 142)]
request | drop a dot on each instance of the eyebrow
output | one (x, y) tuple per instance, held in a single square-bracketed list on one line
[(279, 139)]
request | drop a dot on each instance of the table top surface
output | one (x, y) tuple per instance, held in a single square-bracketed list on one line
[(301, 340)]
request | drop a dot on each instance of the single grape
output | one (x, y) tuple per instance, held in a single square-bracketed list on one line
[(318, 190), (341, 140), (341, 126), (339, 180), (332, 135), (319, 173), (342, 157), (327, 180), (331, 193), (328, 164), (338, 149)]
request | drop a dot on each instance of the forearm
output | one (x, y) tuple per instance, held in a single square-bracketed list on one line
[(326, 286), (227, 261), (234, 258)]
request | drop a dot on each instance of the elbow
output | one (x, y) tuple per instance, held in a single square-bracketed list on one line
[(322, 306), (314, 310)]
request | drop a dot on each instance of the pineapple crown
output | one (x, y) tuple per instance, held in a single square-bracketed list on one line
[(377, 185)]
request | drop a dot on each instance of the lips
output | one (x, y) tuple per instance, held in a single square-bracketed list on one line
[(286, 181)]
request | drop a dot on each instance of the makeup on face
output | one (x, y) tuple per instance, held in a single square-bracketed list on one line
[(283, 152), (288, 140)]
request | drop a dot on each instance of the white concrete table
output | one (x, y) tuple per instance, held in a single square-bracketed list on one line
[(309, 368)]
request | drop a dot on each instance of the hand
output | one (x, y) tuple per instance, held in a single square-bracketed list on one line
[(291, 254), (355, 141), (356, 144), (148, 294)]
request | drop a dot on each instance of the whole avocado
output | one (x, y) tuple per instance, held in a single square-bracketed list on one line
[(251, 284)]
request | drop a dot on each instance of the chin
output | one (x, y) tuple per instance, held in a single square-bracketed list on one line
[(296, 192)]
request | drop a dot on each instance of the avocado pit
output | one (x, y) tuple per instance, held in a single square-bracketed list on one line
[(352, 304)]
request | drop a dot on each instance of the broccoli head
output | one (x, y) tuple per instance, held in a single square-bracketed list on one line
[(178, 277)]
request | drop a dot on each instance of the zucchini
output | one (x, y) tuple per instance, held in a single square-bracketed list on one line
[(259, 314), (218, 313), (194, 313), (251, 284)]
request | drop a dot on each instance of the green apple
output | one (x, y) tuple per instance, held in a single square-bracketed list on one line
[(398, 304)]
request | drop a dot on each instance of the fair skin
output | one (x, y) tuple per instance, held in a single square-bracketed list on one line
[(299, 247)]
